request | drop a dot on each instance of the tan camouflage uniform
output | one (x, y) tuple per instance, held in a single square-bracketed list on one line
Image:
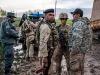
[(44, 36), (80, 38), (46, 40), (30, 35)]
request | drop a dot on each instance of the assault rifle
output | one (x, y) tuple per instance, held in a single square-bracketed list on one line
[(62, 38)]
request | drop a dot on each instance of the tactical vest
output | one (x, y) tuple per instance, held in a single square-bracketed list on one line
[(53, 38), (63, 40), (25, 28)]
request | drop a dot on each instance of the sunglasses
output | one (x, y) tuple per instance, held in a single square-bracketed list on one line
[(64, 18)]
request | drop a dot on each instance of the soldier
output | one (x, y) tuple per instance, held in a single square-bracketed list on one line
[(47, 36), (30, 41), (62, 49), (28, 29), (80, 38), (22, 34), (9, 36)]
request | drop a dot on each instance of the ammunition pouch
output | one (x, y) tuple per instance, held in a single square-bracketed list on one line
[(75, 65)]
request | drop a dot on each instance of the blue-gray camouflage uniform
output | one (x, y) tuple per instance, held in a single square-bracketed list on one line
[(8, 37), (80, 38)]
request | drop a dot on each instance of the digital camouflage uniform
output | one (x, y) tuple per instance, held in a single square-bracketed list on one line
[(47, 40), (28, 27), (59, 52), (9, 37), (80, 38)]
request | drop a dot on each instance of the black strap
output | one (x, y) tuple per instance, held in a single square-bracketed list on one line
[(58, 28)]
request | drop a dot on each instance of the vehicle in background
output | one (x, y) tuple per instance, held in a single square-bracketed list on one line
[(34, 17), (95, 20)]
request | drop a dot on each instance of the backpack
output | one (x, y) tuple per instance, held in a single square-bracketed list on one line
[(53, 38)]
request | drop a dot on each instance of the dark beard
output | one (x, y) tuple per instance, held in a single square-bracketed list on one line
[(12, 21), (51, 21)]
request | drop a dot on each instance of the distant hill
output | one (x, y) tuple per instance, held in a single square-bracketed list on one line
[(87, 12)]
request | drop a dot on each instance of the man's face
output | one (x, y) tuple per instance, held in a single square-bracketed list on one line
[(76, 16), (63, 21), (12, 17), (50, 17)]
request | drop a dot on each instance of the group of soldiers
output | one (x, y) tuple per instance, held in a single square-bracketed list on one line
[(54, 41)]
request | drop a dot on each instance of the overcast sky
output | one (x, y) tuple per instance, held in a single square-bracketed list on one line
[(25, 5)]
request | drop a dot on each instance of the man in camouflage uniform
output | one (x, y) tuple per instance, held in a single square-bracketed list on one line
[(47, 37), (80, 38), (28, 28), (62, 49)]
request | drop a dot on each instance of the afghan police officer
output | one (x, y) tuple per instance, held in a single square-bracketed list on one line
[(47, 39), (9, 36), (62, 49), (28, 29), (80, 38)]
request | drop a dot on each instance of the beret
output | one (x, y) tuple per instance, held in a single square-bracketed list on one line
[(49, 10)]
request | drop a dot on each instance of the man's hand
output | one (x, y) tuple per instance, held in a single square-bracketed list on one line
[(45, 61)]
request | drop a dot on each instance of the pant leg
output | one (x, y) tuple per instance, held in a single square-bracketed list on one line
[(24, 48), (31, 46), (27, 45), (77, 64), (67, 57), (9, 57), (58, 58), (41, 61)]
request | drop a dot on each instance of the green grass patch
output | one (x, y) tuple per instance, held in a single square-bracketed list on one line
[(17, 21), (68, 22), (57, 21)]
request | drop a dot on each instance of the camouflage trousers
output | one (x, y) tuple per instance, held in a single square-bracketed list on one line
[(77, 64), (30, 47), (57, 57)]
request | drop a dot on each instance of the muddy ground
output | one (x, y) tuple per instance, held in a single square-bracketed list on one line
[(21, 67)]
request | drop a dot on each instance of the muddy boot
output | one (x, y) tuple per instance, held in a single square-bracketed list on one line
[(7, 72)]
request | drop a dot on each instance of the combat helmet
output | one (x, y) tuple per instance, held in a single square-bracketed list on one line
[(63, 15)]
